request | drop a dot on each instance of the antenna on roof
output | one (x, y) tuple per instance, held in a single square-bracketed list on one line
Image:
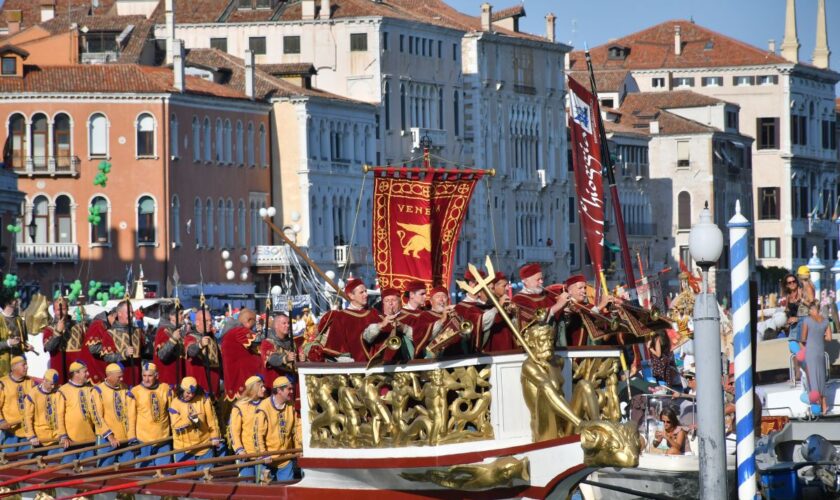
[(574, 31), (691, 18)]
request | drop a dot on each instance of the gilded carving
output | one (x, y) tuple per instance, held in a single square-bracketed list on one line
[(500, 473)]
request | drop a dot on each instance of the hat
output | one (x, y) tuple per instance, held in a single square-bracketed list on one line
[(114, 368), (76, 366), (389, 292), (529, 270), (281, 381), (352, 285), (189, 384), (688, 373), (499, 277), (803, 271), (575, 278), (556, 288), (51, 375), (439, 289), (469, 276), (16, 360), (253, 379), (415, 286), (149, 367)]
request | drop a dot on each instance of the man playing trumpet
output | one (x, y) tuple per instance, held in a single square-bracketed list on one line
[(389, 333), (533, 299)]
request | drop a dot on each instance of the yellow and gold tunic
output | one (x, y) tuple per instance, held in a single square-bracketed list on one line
[(242, 426), (40, 416), (277, 428), (12, 400), (10, 327), (117, 418), (78, 412), (193, 422), (149, 406)]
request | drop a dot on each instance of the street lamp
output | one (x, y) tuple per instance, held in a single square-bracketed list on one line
[(705, 243), (32, 228)]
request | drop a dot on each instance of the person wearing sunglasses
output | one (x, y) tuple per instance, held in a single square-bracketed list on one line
[(673, 435), (797, 295)]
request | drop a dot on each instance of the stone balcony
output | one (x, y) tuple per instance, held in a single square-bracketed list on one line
[(32, 253), (346, 255), (535, 254)]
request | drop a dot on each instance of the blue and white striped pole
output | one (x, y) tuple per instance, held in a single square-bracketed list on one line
[(817, 267), (835, 269), (739, 257)]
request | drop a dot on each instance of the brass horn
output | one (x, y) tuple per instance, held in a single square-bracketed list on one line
[(393, 343)]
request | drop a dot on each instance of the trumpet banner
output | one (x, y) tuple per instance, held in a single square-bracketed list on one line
[(417, 219)]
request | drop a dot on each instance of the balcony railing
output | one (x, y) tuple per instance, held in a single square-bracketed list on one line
[(271, 255), (47, 252), (438, 137), (641, 229), (535, 254), (346, 255), (43, 165)]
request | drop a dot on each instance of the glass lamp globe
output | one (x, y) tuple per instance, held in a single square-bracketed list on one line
[(705, 241)]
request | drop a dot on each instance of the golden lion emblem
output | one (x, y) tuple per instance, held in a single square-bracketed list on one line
[(419, 241)]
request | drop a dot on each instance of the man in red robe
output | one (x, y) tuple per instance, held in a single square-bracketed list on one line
[(169, 346), (202, 354), (533, 297), (501, 337), (474, 308), (63, 339), (277, 351), (240, 358), (421, 322), (342, 335), (115, 339)]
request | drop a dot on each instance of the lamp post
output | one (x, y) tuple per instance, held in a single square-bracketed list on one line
[(32, 228), (705, 243), (817, 267)]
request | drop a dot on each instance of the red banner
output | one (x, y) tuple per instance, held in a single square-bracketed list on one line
[(586, 158), (417, 218)]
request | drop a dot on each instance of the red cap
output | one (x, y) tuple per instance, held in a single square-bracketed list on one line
[(439, 289), (469, 276), (352, 284), (557, 288), (529, 270), (389, 292), (499, 277), (575, 278), (414, 286)]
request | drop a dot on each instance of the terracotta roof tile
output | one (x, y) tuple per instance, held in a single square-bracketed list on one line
[(517, 11), (607, 81), (61, 24), (641, 108), (31, 10), (653, 48), (288, 69)]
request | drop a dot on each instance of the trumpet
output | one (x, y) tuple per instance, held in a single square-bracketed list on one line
[(449, 332), (612, 321)]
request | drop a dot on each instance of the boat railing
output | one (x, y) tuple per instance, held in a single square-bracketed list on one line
[(792, 368)]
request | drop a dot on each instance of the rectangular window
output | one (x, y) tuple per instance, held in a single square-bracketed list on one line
[(795, 247), (742, 81), (440, 49), (798, 130), (712, 81), (385, 40), (402, 42), (767, 80), (291, 44), (572, 209), (685, 256), (358, 42), (572, 255), (804, 252), (768, 248), (257, 45), (410, 44), (684, 81), (9, 65), (219, 43), (657, 83), (683, 155), (732, 119), (767, 133), (768, 199), (454, 51)]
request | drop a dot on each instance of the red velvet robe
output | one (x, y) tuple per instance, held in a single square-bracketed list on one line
[(239, 359), (173, 372), (269, 373), (472, 312), (194, 367), (344, 334), (72, 350), (421, 323), (501, 337), (95, 334)]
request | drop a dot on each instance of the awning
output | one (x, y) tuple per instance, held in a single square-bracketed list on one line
[(612, 246)]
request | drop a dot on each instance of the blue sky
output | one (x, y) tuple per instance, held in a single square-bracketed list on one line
[(597, 21)]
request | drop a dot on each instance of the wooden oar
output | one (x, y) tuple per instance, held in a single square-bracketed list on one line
[(51, 458), (13, 445), (176, 477), (90, 476), (5, 456)]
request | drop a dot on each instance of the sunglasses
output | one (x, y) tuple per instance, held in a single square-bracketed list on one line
[(791, 282), (666, 421)]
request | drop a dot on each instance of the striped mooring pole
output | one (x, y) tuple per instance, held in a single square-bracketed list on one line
[(739, 257)]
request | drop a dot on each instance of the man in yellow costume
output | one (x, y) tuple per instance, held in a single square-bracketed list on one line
[(149, 401), (193, 422), (117, 423), (243, 426), (13, 390), (278, 428), (12, 330), (77, 412), (40, 414)]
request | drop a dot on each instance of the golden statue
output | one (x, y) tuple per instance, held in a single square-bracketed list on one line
[(500, 473)]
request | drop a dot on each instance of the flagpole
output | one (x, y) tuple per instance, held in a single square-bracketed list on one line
[(607, 161)]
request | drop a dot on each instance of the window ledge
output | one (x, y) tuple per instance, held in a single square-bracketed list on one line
[(99, 245), (149, 244), (144, 157), (99, 157)]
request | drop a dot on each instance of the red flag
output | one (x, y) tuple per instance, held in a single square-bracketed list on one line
[(451, 193), (586, 158)]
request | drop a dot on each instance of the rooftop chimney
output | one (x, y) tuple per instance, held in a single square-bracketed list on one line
[(771, 46), (486, 16), (549, 26), (250, 91), (821, 52), (307, 9), (47, 10), (677, 41), (325, 9), (178, 64), (790, 45), (170, 30), (13, 21)]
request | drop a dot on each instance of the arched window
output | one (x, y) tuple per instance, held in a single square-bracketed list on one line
[(63, 220), (221, 215), (402, 106), (440, 108), (684, 210), (61, 141), (455, 112), (196, 129), (98, 135), (228, 143), (17, 130), (220, 141), (240, 144), (208, 145), (254, 216), (386, 98), (197, 217), (40, 215), (251, 160), (243, 242), (99, 233), (145, 135), (176, 220), (263, 157), (173, 135), (210, 225), (231, 215), (39, 141), (146, 220)]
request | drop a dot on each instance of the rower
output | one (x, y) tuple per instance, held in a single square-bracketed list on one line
[(76, 412), (278, 428), (39, 414), (243, 422), (150, 402), (13, 390), (193, 422), (116, 422)]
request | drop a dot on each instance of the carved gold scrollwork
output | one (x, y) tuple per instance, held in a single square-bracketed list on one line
[(399, 409), (500, 473)]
